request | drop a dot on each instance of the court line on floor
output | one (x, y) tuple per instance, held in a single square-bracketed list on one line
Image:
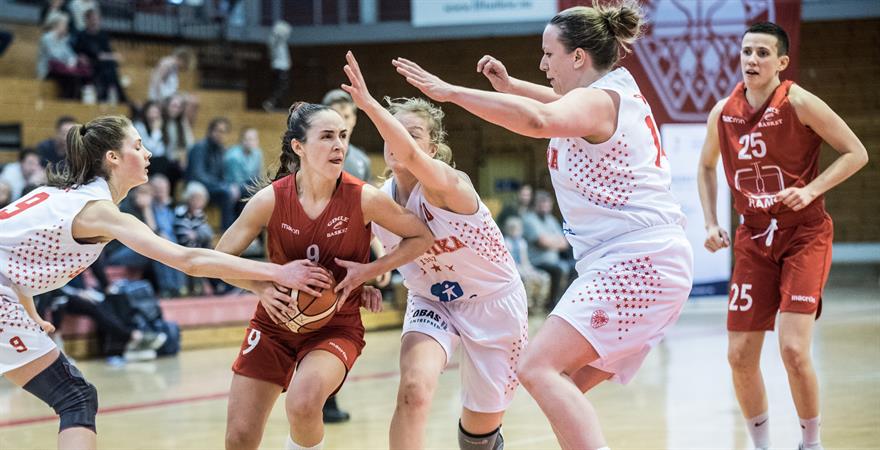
[(180, 400)]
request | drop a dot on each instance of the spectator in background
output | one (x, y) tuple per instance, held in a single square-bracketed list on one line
[(166, 281), (151, 126), (164, 81), (162, 193), (206, 166), (191, 226), (58, 61), (356, 162), (547, 244), (94, 43), (520, 207), (25, 173), (279, 54), (79, 10), (54, 6), (5, 193), (54, 150), (536, 282), (178, 130), (243, 162)]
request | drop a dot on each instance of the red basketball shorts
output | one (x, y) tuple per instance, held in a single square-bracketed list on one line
[(271, 352), (787, 276)]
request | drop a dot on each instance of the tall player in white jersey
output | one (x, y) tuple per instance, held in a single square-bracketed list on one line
[(612, 182), (55, 232), (464, 290)]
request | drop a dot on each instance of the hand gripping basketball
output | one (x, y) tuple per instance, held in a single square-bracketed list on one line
[(310, 313)]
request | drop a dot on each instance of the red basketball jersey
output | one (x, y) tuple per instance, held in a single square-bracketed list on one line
[(339, 232), (766, 150)]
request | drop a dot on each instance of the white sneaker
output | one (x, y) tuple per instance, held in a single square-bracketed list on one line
[(801, 446)]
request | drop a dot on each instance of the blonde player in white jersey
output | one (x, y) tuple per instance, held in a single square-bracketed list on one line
[(612, 183), (55, 232), (464, 290)]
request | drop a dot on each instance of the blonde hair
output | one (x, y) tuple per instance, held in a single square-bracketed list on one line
[(603, 31), (433, 115)]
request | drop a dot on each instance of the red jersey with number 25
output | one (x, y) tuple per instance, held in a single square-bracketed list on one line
[(339, 232), (766, 150)]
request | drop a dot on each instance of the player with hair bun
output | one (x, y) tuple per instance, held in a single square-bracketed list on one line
[(612, 183)]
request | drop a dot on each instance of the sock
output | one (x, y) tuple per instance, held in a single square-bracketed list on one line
[(759, 429), (294, 446), (810, 431), (488, 441)]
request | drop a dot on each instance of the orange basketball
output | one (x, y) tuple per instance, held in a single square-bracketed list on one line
[(311, 313)]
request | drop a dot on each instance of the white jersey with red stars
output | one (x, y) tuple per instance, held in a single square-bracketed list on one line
[(468, 260), (622, 185), (37, 250)]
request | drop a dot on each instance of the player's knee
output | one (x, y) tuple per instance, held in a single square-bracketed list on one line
[(415, 394), (529, 372), (240, 437), (305, 405), (795, 357), (63, 387), (742, 360)]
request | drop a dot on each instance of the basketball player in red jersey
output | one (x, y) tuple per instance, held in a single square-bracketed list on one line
[(313, 211), (768, 133), (55, 232)]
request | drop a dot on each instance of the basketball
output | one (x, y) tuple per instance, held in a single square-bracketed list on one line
[(310, 312)]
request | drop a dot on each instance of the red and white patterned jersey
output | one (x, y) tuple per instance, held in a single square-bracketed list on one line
[(37, 251), (468, 260), (618, 186), (765, 150)]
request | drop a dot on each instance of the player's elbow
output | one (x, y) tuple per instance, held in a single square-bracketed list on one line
[(537, 125), (191, 262), (862, 157)]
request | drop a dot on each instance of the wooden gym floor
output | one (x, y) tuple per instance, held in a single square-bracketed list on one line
[(681, 398)]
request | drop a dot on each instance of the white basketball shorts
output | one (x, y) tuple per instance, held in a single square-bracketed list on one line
[(21, 339), (629, 291), (493, 335)]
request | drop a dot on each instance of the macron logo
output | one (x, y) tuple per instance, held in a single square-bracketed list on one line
[(289, 228), (732, 119), (803, 298)]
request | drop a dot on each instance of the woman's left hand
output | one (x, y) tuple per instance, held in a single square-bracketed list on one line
[(358, 87), (355, 275), (430, 84)]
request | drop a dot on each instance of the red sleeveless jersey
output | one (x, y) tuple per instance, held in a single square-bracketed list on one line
[(766, 150), (339, 232)]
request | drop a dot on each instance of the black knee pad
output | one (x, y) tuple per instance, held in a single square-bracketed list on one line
[(63, 387), (488, 441)]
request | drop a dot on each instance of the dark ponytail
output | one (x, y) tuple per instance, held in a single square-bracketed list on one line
[(86, 146)]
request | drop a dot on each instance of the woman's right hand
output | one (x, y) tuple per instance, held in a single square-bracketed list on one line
[(275, 301), (305, 276), (495, 71), (716, 238)]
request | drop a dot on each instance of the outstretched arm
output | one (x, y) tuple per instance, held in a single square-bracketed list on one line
[(496, 73), (716, 237), (102, 220), (816, 114), (438, 178), (589, 113), (380, 208)]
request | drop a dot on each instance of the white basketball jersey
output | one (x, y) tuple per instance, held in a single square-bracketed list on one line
[(37, 251), (468, 260), (619, 186)]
